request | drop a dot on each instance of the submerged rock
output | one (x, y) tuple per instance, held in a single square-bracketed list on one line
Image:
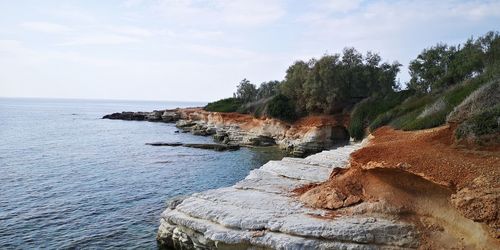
[(216, 147)]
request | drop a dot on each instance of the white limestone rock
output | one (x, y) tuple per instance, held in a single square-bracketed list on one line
[(259, 212)]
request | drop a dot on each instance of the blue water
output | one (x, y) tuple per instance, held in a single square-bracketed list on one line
[(69, 179)]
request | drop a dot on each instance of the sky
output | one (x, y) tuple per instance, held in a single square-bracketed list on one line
[(199, 50)]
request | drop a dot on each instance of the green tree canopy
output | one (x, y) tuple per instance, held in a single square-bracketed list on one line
[(268, 89), (327, 84), (440, 66), (246, 91)]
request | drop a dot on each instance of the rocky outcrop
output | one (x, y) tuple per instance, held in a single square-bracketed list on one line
[(260, 212), (306, 136), (216, 147), (154, 116)]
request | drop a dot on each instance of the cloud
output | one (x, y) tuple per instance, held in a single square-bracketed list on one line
[(132, 31), (221, 52), (341, 5), (398, 30), (132, 3), (382, 19), (223, 12), (45, 27), (100, 39)]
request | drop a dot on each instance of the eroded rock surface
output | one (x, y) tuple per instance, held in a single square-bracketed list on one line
[(306, 136), (260, 212)]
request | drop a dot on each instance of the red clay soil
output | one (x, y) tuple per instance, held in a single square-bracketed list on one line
[(431, 154), (250, 120), (321, 120), (424, 174)]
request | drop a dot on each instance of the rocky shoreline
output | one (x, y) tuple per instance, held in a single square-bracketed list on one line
[(260, 212), (304, 137), (402, 190)]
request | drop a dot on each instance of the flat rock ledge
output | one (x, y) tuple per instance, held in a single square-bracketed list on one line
[(260, 212), (210, 146)]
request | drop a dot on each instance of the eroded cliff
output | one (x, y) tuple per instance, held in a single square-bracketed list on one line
[(307, 135), (450, 193)]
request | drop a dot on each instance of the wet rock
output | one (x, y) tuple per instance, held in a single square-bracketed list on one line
[(170, 144), (220, 136), (154, 116), (216, 147), (262, 141), (131, 116), (170, 116), (185, 123)]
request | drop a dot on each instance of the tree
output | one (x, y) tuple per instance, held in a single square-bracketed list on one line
[(293, 85), (441, 66), (246, 91), (330, 83), (430, 67), (323, 88), (268, 89), (281, 107)]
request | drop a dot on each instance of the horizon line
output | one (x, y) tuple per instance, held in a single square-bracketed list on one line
[(97, 99)]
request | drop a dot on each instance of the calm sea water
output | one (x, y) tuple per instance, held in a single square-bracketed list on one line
[(69, 179)]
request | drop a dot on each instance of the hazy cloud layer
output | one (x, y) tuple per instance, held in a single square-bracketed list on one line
[(200, 49)]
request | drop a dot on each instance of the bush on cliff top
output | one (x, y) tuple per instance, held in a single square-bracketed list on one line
[(282, 107), (487, 96), (224, 105), (366, 111), (448, 100), (430, 110), (482, 124)]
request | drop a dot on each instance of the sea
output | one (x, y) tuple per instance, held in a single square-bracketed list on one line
[(69, 179)]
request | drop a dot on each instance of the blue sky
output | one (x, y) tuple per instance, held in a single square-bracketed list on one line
[(198, 50)]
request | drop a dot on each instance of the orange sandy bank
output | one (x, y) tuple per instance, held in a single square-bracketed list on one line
[(431, 154), (452, 192)]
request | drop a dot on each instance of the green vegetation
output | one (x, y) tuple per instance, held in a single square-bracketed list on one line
[(441, 66), (224, 105), (484, 123), (327, 85), (442, 77), (282, 107), (332, 83), (368, 109), (431, 110), (485, 97)]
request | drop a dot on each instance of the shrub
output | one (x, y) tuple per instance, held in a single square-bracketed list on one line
[(438, 106), (257, 108), (486, 96), (423, 111), (432, 120), (484, 123), (367, 110), (224, 105), (402, 114), (281, 107), (456, 95)]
